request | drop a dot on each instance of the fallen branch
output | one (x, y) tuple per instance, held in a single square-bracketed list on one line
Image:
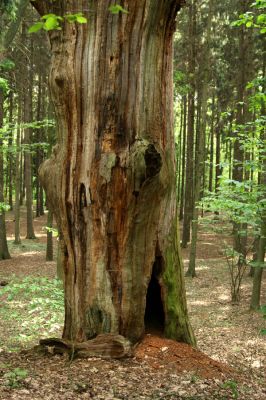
[(105, 346)]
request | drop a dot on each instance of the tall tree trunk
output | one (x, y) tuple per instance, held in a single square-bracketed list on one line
[(4, 253), (111, 181), (188, 209), (199, 167), (242, 113), (179, 152), (218, 169), (10, 152), (181, 207), (17, 177), (260, 257), (27, 155), (211, 145)]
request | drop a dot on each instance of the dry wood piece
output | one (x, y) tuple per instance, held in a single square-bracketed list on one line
[(105, 345)]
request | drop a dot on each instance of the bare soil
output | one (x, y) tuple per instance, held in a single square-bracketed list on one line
[(229, 362)]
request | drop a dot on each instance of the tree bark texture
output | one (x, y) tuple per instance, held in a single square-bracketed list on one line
[(111, 180), (49, 236)]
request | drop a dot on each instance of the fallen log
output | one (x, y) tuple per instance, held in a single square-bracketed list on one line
[(104, 346)]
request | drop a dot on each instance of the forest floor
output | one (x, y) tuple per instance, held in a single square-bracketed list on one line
[(228, 364)]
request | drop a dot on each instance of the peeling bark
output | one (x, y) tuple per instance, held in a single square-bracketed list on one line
[(111, 179)]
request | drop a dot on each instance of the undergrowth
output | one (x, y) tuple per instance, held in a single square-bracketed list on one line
[(26, 245), (31, 308)]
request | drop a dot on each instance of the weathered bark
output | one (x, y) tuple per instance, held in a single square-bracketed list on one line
[(105, 345), (60, 259), (111, 180), (49, 242)]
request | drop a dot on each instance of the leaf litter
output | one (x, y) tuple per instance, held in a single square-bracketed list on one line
[(228, 364)]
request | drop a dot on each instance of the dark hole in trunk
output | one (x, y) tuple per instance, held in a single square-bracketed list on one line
[(154, 313)]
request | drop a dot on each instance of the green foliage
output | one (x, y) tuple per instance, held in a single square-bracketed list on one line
[(4, 86), (7, 65), (116, 9), (33, 307), (51, 21), (14, 378), (251, 20), (52, 230), (236, 202), (181, 85), (3, 207), (233, 386), (54, 22)]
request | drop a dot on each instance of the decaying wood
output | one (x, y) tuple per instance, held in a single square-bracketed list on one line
[(105, 346), (111, 180)]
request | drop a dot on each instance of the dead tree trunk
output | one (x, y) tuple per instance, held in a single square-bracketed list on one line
[(111, 180)]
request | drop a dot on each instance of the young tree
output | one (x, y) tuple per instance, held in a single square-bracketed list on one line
[(111, 179)]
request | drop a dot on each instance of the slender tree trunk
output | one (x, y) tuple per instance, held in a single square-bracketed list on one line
[(38, 159), (111, 180), (258, 271), (10, 153), (240, 240), (199, 167), (4, 253), (211, 146), (188, 208), (181, 208), (17, 177), (27, 155), (179, 151)]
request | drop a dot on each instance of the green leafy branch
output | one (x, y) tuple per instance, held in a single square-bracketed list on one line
[(250, 20), (50, 22)]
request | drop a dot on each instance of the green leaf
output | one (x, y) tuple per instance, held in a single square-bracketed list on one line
[(263, 331), (116, 9), (51, 23), (36, 27), (81, 19), (261, 19), (249, 24), (71, 18)]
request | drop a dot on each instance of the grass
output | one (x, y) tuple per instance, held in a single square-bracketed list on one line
[(27, 245), (31, 308)]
